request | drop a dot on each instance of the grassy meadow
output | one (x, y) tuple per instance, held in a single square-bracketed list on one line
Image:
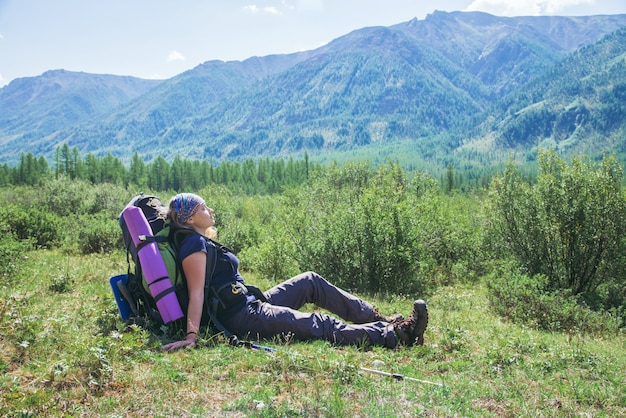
[(524, 281), (64, 351)]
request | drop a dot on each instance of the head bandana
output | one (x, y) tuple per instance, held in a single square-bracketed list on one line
[(186, 205)]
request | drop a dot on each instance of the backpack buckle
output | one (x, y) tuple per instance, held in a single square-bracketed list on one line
[(235, 289)]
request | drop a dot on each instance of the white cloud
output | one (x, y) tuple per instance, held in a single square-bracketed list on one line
[(3, 81), (271, 10), (155, 76), (175, 56), (254, 9), (524, 7), (556, 6), (287, 6)]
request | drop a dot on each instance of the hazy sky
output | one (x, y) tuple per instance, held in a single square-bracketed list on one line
[(162, 38)]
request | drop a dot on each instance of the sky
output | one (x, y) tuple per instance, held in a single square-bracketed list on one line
[(159, 39)]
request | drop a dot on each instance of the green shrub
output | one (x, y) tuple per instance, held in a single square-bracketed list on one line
[(50, 214), (11, 249), (569, 226), (238, 223), (375, 231), (98, 233), (530, 300), (64, 197), (448, 234), (273, 258), (351, 226), (107, 198), (34, 224)]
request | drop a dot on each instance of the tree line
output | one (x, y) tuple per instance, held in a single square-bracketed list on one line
[(260, 176), (249, 176)]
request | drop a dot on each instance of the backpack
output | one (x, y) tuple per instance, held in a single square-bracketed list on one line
[(137, 292), (132, 291)]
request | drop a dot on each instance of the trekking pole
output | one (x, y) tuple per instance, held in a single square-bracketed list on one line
[(399, 377), (254, 346), (396, 376)]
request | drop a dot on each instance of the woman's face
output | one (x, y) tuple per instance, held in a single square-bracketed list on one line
[(203, 218)]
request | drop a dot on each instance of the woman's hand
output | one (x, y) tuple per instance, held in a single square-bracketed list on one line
[(190, 343)]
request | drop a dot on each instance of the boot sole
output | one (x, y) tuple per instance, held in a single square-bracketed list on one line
[(420, 308)]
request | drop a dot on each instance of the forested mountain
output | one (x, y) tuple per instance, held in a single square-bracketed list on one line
[(580, 103), (34, 108), (505, 53), (451, 79)]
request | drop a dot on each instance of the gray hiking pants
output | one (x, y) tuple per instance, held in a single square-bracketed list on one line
[(280, 316)]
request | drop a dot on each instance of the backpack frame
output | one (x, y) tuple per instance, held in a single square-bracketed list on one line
[(140, 302)]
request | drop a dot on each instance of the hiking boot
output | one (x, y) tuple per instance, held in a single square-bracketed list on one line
[(411, 331), (393, 319), (420, 311)]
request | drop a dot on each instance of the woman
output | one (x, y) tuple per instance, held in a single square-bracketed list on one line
[(275, 312)]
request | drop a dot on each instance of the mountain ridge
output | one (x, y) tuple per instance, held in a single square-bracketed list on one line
[(417, 79)]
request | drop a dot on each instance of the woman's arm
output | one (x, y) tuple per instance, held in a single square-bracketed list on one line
[(194, 267)]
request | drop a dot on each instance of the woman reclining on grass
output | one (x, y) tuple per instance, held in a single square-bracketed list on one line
[(274, 312)]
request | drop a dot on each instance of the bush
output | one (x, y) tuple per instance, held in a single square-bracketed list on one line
[(107, 198), (98, 234), (64, 197), (351, 226), (273, 258), (568, 226), (34, 224), (448, 236), (11, 250), (529, 300), (238, 223), (374, 231), (70, 198)]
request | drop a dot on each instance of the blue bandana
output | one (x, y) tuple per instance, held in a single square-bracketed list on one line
[(186, 205)]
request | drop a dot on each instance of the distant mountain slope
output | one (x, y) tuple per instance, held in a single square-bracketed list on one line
[(507, 52), (371, 85), (432, 78), (579, 104), (156, 121), (56, 99)]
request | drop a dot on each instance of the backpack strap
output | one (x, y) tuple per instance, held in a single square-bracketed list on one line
[(176, 236), (211, 262)]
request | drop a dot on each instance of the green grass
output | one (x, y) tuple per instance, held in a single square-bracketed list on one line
[(64, 351)]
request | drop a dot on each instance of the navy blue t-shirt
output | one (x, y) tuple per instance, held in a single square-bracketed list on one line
[(226, 268)]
